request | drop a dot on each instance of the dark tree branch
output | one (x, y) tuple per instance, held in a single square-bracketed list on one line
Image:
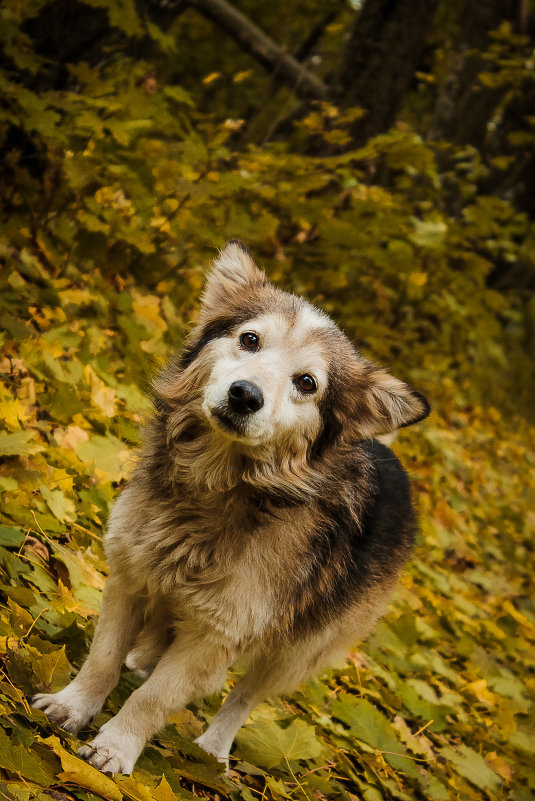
[(385, 47), (315, 34), (261, 47)]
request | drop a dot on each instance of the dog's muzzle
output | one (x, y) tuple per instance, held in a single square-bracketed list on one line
[(244, 397)]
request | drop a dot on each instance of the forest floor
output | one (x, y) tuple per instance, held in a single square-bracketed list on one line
[(437, 704)]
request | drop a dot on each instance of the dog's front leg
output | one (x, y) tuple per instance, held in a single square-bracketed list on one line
[(219, 736), (118, 624), (269, 674), (191, 667)]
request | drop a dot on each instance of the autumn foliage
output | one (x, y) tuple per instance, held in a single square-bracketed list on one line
[(124, 167)]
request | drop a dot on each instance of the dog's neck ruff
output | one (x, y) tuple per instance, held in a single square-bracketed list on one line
[(185, 452)]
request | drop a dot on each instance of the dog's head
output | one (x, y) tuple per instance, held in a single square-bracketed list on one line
[(272, 370)]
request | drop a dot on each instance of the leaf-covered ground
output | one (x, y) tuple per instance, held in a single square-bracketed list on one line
[(116, 189), (437, 704)]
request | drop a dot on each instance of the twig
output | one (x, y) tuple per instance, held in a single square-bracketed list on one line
[(35, 621), (259, 45), (296, 780), (420, 730), (24, 702)]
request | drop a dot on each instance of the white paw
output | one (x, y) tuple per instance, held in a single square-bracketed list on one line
[(112, 751), (69, 708), (137, 667), (214, 747)]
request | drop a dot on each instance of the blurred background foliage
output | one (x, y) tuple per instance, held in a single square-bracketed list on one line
[(378, 157)]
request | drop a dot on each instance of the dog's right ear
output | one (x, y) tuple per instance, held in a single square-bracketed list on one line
[(232, 272)]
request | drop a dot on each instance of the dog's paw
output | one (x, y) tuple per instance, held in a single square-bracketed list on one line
[(107, 758), (69, 708), (214, 747), (112, 751), (141, 669)]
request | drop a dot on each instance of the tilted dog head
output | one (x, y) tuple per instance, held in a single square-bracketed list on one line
[(266, 368)]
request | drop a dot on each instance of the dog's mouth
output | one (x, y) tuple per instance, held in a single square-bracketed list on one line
[(227, 423), (233, 425)]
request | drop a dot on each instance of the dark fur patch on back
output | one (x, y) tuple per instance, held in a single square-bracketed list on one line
[(158, 479), (349, 552), (338, 406), (331, 426)]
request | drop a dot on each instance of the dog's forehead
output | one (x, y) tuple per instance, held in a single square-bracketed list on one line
[(310, 319), (302, 325)]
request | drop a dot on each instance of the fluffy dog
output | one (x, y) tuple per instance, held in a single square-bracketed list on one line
[(263, 520)]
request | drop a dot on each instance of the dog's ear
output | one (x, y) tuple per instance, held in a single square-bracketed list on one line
[(385, 404), (232, 272), (363, 401)]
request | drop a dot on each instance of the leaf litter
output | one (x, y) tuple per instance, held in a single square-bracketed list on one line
[(98, 286)]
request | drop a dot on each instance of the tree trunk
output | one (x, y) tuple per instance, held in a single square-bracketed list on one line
[(515, 184), (465, 106), (385, 47)]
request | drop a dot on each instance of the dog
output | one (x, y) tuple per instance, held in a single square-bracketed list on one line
[(264, 520)]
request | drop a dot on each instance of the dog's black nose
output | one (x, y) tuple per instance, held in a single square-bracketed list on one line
[(244, 397)]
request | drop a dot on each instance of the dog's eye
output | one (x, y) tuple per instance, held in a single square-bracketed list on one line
[(305, 383), (249, 341)]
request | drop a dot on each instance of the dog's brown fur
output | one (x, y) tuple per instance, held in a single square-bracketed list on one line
[(274, 537)]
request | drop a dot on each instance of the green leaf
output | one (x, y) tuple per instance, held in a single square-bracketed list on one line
[(8, 484), (266, 744), (471, 765), (108, 454), (523, 740), (133, 397), (19, 443), (51, 670), (11, 537), (61, 507), (178, 94), (428, 233), (24, 762), (122, 14), (369, 725)]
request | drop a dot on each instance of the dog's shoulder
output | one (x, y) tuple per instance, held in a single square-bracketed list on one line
[(374, 517), (388, 518), (363, 533), (366, 504), (391, 479)]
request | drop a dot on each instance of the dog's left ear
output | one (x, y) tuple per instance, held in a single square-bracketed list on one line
[(387, 404), (232, 272)]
